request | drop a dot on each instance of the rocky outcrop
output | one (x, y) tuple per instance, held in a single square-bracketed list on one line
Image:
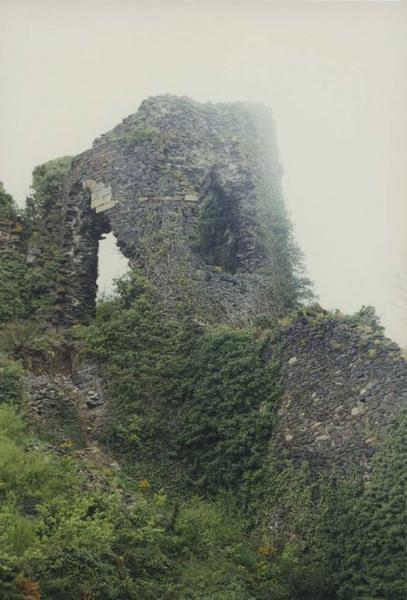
[(51, 405), (70, 406)]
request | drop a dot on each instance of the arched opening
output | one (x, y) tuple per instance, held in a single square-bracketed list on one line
[(218, 231), (111, 264)]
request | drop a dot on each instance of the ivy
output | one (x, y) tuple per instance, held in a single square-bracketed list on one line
[(217, 231), (198, 403), (67, 535), (375, 554), (7, 207), (228, 412), (47, 184), (10, 381)]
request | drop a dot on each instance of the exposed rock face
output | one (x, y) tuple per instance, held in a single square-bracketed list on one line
[(342, 386), (70, 405), (51, 402), (192, 193)]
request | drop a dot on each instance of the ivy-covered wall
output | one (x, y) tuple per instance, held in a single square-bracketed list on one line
[(25, 289), (189, 406)]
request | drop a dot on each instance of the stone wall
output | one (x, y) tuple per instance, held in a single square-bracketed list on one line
[(342, 384), (147, 181)]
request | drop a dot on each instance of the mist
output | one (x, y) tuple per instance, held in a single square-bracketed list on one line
[(333, 73)]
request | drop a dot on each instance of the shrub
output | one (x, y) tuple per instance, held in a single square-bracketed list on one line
[(7, 207), (190, 402), (227, 415), (33, 343), (367, 317), (375, 553), (47, 184), (10, 381)]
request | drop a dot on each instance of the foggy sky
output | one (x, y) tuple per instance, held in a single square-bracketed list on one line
[(334, 74)]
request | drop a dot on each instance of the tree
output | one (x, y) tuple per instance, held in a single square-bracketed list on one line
[(46, 185), (7, 207)]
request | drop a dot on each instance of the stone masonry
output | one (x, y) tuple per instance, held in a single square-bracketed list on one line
[(342, 384)]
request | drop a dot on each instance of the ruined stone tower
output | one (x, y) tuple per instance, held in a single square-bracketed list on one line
[(192, 193)]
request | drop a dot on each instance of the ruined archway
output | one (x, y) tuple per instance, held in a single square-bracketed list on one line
[(160, 181), (112, 264)]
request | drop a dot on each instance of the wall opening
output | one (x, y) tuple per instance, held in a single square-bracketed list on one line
[(111, 265), (218, 231)]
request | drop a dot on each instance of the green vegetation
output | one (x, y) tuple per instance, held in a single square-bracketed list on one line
[(374, 553), (200, 508), (23, 290), (34, 344), (337, 537), (46, 185), (14, 298), (68, 537), (140, 349), (141, 135), (10, 380), (15, 294), (228, 412), (287, 288), (7, 208), (217, 235), (101, 534), (367, 317), (194, 402)]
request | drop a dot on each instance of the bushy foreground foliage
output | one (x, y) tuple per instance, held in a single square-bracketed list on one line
[(186, 400), (46, 186), (374, 555), (72, 534), (24, 287), (340, 537), (202, 510), (23, 290), (10, 380), (15, 297), (7, 208), (199, 406), (69, 537)]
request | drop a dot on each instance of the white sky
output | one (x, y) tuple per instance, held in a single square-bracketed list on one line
[(333, 72)]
